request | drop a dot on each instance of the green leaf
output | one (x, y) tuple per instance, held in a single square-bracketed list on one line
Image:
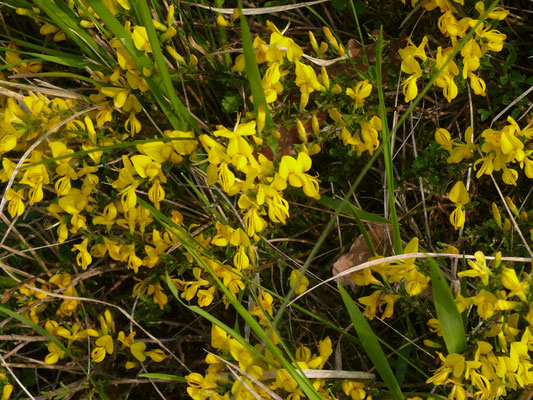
[(451, 324), (348, 209), (511, 58), (68, 22), (370, 343), (387, 149), (167, 377), (252, 72), (179, 109)]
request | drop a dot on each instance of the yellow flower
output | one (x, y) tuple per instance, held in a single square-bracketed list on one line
[(146, 168), (463, 151), (416, 282), (106, 342), (302, 284), (293, 171), (159, 295), (410, 88), (356, 390), (510, 281), (478, 268), (271, 83), (496, 13), (434, 326), (331, 39), (137, 350), (453, 364), (12, 57), (253, 221), (359, 93), (285, 381), (307, 81), (219, 338), (369, 133), (280, 46), (485, 302), (83, 259), (443, 137), (55, 354), (205, 296), (156, 355), (221, 21), (6, 391), (186, 143), (462, 303), (471, 53), (375, 301), (16, 202), (240, 354), (140, 39), (126, 341), (201, 388), (446, 78)]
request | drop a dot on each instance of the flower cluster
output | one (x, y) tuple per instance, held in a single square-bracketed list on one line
[(259, 368), (485, 39)]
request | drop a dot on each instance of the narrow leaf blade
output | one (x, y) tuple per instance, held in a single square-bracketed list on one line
[(451, 323), (370, 343)]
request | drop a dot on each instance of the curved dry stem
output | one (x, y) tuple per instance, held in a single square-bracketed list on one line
[(403, 257)]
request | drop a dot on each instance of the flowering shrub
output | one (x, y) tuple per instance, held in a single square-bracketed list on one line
[(146, 234)]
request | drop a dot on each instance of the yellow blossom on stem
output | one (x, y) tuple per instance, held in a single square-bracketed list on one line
[(16, 202), (356, 390), (6, 391), (301, 286), (485, 302), (55, 354), (293, 171), (478, 269), (452, 364), (307, 81), (158, 294), (459, 196), (359, 93), (510, 281), (83, 259)]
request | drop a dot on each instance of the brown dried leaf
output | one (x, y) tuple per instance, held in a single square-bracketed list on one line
[(360, 253)]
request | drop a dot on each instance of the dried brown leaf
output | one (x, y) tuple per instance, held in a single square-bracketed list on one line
[(360, 252)]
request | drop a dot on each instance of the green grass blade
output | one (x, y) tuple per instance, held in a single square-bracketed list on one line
[(166, 377), (179, 109), (68, 22), (370, 343), (425, 395), (116, 146), (361, 38), (209, 317), (451, 323), (223, 38), (350, 210), (56, 57), (387, 150), (304, 383), (139, 58), (252, 73)]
